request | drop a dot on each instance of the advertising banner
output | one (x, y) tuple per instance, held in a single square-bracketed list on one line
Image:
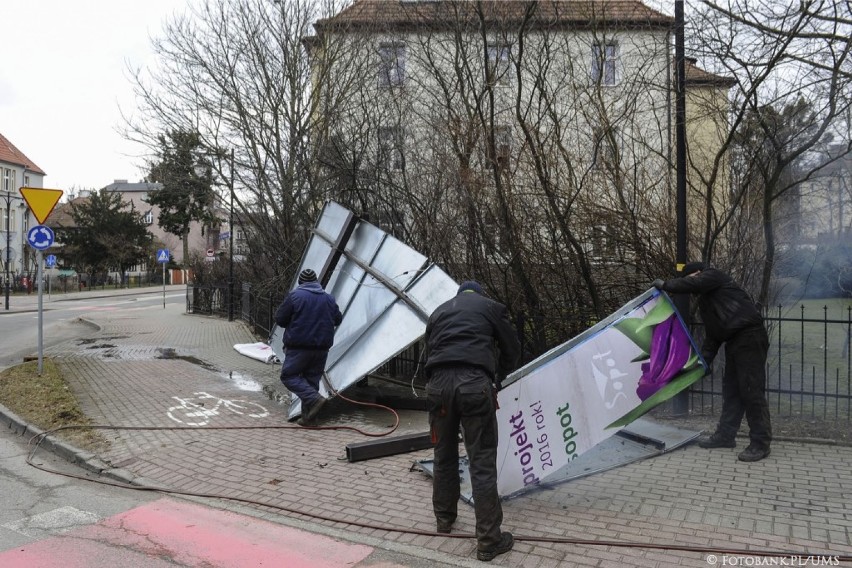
[(573, 397)]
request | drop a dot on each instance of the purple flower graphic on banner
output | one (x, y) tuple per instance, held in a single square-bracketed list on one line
[(669, 352)]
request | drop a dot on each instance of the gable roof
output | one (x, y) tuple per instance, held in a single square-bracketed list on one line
[(61, 218), (696, 76), (9, 153), (364, 15), (122, 186)]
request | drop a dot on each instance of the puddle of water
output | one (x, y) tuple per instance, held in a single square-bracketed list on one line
[(93, 339), (170, 353), (242, 382)]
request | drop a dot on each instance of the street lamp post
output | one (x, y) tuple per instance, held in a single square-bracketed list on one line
[(680, 402), (8, 258), (8, 197), (231, 241)]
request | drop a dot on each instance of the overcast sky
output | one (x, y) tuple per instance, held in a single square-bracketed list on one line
[(63, 76)]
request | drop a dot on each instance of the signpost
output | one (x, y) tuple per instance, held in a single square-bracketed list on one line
[(50, 262), (163, 258), (41, 202)]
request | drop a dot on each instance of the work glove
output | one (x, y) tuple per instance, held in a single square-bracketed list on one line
[(658, 283)]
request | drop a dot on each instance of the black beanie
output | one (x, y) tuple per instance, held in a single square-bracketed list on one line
[(307, 275), (693, 267), (472, 286)]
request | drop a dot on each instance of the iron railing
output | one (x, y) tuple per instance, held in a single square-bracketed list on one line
[(809, 366)]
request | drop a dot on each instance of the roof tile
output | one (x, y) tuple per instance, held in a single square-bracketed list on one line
[(397, 14), (9, 153)]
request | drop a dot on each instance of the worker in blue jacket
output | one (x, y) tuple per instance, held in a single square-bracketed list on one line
[(309, 316)]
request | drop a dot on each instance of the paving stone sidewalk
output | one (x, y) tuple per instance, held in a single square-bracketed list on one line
[(164, 368)]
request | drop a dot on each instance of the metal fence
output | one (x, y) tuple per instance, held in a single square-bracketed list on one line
[(809, 366), (207, 300)]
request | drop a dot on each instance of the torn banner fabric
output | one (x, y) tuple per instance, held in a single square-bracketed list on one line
[(580, 393)]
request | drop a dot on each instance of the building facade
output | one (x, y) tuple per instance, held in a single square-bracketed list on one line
[(16, 171), (557, 113)]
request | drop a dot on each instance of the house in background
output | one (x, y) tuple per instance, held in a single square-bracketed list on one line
[(531, 105), (209, 242), (200, 240), (825, 200), (16, 171)]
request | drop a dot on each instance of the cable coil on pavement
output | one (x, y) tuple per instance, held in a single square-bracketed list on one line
[(39, 438)]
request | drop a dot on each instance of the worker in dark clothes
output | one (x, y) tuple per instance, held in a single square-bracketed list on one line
[(309, 316), (470, 347), (731, 317)]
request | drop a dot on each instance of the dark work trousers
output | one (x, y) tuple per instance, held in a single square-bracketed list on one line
[(463, 396), (744, 387), (301, 373)]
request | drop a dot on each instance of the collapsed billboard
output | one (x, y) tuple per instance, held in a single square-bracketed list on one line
[(385, 289), (572, 398)]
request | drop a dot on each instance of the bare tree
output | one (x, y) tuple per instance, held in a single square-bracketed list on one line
[(237, 72), (780, 56)]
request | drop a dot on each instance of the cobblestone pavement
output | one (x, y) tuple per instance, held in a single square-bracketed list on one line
[(156, 367)]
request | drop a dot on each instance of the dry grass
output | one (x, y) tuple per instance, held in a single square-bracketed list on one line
[(46, 402)]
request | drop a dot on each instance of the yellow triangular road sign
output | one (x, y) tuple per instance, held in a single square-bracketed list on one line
[(41, 201)]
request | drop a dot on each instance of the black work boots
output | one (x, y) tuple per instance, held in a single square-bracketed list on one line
[(753, 453), (507, 541), (717, 440)]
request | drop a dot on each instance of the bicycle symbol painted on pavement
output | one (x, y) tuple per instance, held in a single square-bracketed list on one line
[(194, 413)]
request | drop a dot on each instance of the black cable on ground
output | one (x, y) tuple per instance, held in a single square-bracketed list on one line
[(39, 438)]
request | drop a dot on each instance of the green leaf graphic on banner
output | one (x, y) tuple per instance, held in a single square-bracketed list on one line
[(641, 330), (676, 385)]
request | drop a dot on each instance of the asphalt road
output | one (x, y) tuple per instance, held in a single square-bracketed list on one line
[(61, 319)]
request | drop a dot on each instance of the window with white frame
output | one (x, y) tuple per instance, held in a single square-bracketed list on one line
[(148, 218), (8, 180), (391, 65), (605, 63), (497, 70), (390, 151)]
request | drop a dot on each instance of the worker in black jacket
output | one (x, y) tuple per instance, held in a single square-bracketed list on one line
[(470, 347), (731, 317)]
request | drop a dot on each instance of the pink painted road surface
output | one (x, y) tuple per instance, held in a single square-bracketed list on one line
[(167, 532)]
